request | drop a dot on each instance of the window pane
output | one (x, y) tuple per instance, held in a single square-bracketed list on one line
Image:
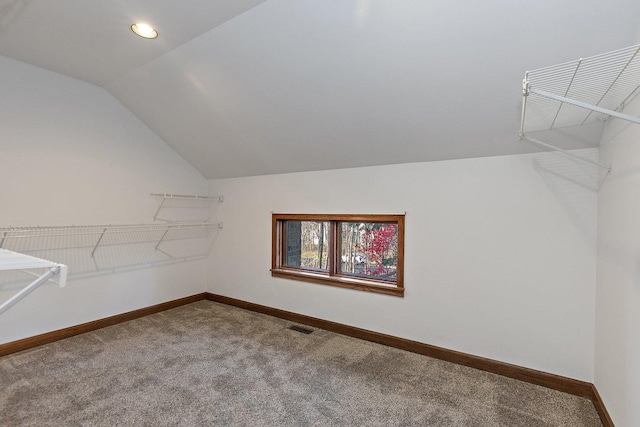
[(369, 250), (307, 244)]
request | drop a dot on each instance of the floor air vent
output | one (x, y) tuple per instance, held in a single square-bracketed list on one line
[(300, 329)]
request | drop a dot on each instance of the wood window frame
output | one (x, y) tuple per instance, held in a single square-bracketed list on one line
[(333, 277)]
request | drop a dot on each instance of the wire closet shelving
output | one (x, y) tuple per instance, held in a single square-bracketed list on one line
[(94, 238), (16, 261), (584, 91), (184, 207), (183, 234)]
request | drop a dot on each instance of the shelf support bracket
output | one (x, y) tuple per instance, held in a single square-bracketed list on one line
[(162, 238), (159, 207), (98, 242), (525, 93)]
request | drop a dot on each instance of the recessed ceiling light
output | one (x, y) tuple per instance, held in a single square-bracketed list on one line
[(144, 30)]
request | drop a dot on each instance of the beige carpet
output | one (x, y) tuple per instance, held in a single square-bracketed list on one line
[(211, 364)]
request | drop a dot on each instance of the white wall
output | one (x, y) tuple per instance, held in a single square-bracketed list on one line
[(500, 253), (71, 154), (617, 357)]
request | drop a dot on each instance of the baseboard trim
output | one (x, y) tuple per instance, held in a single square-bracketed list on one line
[(49, 337), (556, 382), (602, 410), (552, 381)]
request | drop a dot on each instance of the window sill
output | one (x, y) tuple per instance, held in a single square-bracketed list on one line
[(339, 281)]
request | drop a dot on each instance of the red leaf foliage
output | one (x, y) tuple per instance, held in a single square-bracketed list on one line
[(378, 242)]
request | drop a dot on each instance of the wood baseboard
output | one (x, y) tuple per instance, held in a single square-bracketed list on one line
[(556, 382), (552, 381), (602, 410), (38, 340)]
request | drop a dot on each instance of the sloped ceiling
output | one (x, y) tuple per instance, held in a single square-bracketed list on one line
[(90, 39), (242, 87)]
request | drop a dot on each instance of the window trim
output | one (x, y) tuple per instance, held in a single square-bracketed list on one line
[(333, 276)]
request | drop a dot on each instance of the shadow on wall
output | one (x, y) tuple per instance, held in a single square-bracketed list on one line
[(563, 173), (619, 147), (574, 185), (98, 250), (183, 234)]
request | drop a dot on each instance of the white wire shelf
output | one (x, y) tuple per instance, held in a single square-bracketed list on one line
[(575, 93), (185, 235), (10, 260), (98, 247), (185, 207), (583, 91)]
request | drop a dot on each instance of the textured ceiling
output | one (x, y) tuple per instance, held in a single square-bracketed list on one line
[(294, 85)]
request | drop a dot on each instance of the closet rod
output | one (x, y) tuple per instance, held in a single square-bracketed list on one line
[(27, 290), (585, 105), (10, 260)]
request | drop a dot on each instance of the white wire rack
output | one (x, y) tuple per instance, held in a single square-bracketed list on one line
[(579, 92), (186, 208), (99, 247), (10, 260)]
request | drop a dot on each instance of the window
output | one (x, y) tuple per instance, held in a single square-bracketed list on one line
[(364, 252)]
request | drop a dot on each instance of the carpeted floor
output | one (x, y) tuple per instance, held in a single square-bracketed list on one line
[(210, 364)]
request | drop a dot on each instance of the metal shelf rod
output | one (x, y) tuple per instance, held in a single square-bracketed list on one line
[(27, 290), (585, 105), (183, 196)]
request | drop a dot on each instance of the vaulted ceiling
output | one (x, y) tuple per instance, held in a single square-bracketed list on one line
[(251, 87)]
